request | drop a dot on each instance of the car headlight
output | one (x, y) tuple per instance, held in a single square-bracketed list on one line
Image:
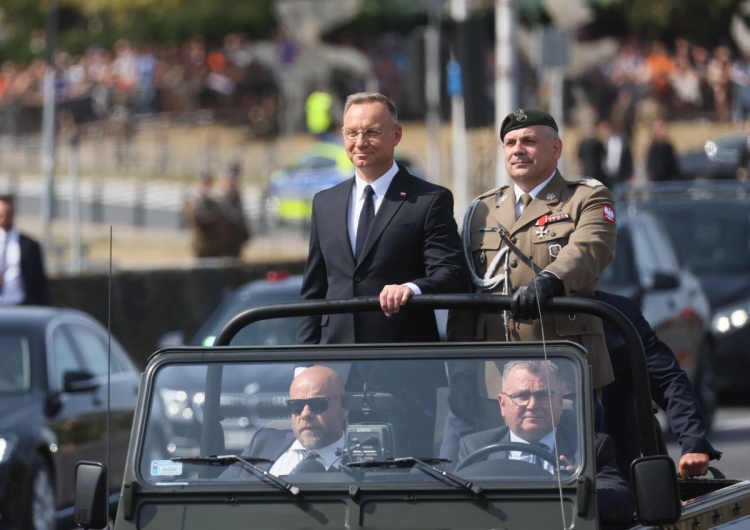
[(7, 445), (731, 318), (179, 405)]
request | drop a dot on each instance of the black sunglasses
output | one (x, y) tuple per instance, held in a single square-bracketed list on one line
[(317, 405)]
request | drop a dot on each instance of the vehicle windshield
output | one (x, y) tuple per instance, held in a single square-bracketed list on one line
[(375, 423), (15, 368), (712, 237)]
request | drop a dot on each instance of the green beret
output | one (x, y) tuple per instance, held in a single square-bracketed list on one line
[(526, 118)]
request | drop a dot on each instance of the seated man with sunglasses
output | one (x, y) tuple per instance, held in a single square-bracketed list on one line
[(316, 441)]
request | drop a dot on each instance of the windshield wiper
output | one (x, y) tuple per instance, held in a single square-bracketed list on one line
[(426, 466), (249, 463)]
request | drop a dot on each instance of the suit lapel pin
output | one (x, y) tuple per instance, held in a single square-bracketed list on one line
[(402, 194), (550, 196)]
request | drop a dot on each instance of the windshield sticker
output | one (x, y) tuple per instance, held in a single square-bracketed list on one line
[(165, 468)]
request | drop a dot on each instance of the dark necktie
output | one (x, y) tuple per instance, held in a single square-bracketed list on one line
[(538, 460), (365, 220), (308, 464)]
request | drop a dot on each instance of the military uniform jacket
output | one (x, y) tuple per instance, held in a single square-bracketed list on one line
[(568, 229)]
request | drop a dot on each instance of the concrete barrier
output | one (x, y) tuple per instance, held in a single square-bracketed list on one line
[(139, 306)]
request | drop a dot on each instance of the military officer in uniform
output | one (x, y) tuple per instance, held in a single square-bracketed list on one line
[(540, 237)]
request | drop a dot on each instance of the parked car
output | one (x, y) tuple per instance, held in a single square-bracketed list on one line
[(649, 268), (717, 159), (64, 382), (288, 198), (710, 223)]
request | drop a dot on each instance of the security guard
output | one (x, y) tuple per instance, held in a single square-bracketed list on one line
[(540, 237)]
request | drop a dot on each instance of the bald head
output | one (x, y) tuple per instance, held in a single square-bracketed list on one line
[(318, 415)]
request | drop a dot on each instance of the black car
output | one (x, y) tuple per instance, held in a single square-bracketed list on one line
[(710, 223), (63, 383), (649, 267), (717, 159)]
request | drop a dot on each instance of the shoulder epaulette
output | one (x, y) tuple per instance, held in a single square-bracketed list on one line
[(591, 183), (491, 192)]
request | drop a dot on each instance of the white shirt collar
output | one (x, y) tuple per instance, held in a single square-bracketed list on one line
[(330, 454), (518, 191), (380, 186)]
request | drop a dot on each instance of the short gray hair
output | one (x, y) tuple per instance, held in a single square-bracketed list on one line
[(361, 98), (535, 367)]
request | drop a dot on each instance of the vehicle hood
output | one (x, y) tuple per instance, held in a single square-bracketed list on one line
[(725, 288)]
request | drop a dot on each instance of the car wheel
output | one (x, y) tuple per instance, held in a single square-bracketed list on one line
[(39, 498), (704, 383)]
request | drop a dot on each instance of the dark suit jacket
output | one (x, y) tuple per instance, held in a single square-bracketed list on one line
[(413, 238), (670, 389), (615, 501), (567, 440), (32, 272), (267, 443)]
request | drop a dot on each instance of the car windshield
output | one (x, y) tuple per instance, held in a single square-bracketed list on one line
[(229, 415), (15, 369), (712, 237)]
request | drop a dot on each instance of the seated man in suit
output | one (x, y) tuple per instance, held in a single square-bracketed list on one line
[(316, 440), (531, 403)]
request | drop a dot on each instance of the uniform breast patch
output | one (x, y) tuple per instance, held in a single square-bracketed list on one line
[(608, 213)]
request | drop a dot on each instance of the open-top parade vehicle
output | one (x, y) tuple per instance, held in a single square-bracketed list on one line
[(388, 472)]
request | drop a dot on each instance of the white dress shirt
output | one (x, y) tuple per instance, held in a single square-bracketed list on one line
[(329, 455), (10, 266)]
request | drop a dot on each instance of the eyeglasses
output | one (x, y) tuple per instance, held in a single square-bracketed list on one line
[(367, 134), (317, 405), (521, 399)]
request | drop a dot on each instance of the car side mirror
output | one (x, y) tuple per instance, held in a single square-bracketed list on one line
[(665, 280), (91, 502), (655, 490), (79, 381)]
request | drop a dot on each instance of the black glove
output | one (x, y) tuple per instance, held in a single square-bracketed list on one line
[(528, 298), (463, 397)]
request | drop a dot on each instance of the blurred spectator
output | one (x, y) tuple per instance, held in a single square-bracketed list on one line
[(719, 76), (743, 165), (686, 87), (661, 159), (591, 154), (23, 280), (319, 114), (660, 67), (618, 160), (741, 88), (235, 230), (623, 113), (203, 213)]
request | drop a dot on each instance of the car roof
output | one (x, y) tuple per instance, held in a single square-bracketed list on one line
[(693, 190), (36, 315)]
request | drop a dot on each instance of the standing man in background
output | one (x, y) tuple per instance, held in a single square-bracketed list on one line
[(236, 231), (203, 213), (23, 280), (383, 233)]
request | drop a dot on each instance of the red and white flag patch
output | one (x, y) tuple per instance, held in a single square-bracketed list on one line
[(608, 212)]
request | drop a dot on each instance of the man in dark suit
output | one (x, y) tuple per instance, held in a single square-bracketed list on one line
[(318, 428), (531, 403), (383, 233), (670, 389), (23, 280)]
